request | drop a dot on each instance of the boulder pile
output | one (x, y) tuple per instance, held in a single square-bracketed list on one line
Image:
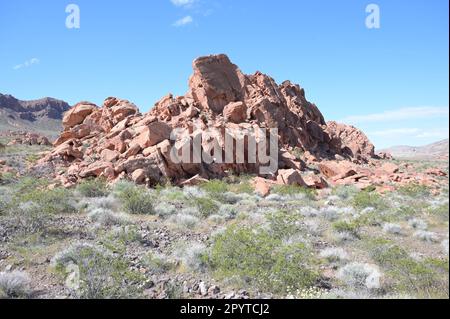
[(116, 141), (26, 138)]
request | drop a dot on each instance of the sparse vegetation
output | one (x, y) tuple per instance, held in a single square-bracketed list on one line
[(135, 199), (260, 259), (172, 242), (93, 188)]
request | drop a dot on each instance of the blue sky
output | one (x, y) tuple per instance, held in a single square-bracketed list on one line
[(392, 82)]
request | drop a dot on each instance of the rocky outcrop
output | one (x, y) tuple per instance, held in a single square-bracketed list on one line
[(352, 142), (26, 138), (116, 142)]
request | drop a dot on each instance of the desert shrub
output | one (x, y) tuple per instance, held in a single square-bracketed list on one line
[(49, 201), (358, 276), (4, 204), (91, 188), (110, 203), (102, 275), (394, 229), (15, 284), (119, 237), (427, 278), (274, 198), (30, 218), (105, 217), (441, 211), (283, 224), (414, 190), (135, 199), (345, 191), (193, 191), (215, 187), (165, 209), (418, 224), (158, 263), (366, 198), (426, 236), (228, 211), (334, 254), (206, 206), (243, 187), (192, 256), (261, 260), (294, 190), (351, 227), (184, 220)]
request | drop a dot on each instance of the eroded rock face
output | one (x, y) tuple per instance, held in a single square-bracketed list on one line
[(116, 141), (352, 141)]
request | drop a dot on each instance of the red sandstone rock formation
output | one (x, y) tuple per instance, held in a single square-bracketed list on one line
[(115, 141)]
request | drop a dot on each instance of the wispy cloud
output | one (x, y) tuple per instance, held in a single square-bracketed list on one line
[(26, 64), (183, 3), (395, 132), (406, 113), (183, 21), (437, 133)]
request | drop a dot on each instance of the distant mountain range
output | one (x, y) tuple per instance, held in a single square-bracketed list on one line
[(435, 151), (42, 116)]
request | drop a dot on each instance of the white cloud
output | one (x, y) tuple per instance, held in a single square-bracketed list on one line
[(183, 21), (27, 64), (395, 132), (406, 113), (183, 3)]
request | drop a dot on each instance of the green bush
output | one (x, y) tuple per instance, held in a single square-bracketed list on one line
[(93, 188), (441, 211), (31, 219), (102, 275), (205, 206), (367, 198), (135, 199), (215, 186), (351, 227), (283, 224), (50, 201), (414, 190), (428, 278), (294, 190), (261, 260)]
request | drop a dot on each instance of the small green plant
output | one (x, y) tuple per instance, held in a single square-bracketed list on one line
[(14, 284), (205, 206), (367, 198), (215, 186), (351, 227), (135, 199), (440, 211), (102, 274), (414, 190), (428, 277), (259, 259), (50, 201), (283, 224), (294, 190), (158, 263), (93, 188)]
